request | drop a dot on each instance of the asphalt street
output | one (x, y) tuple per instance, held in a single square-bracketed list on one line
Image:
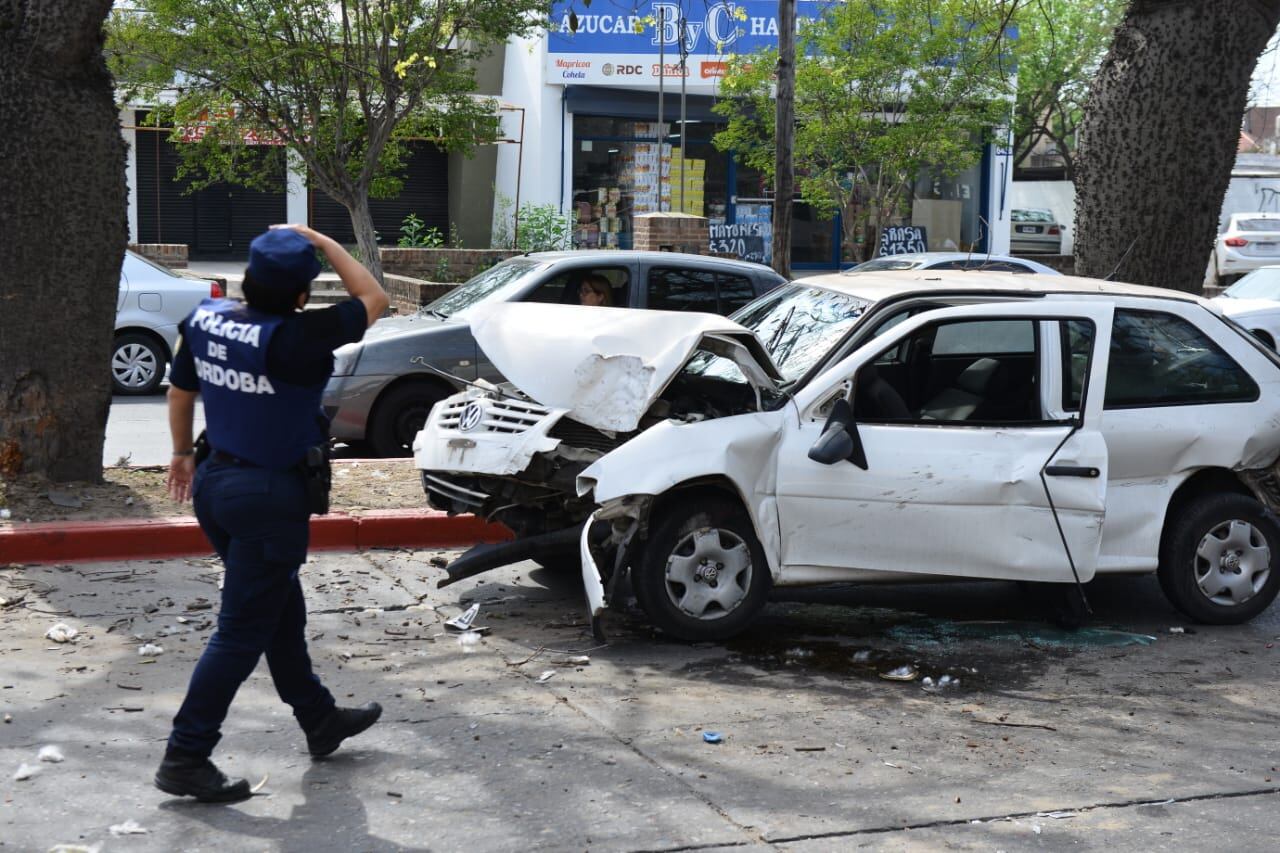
[(1123, 737), (138, 430)]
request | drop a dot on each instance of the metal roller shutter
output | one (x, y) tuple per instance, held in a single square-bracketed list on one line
[(218, 221), (425, 193)]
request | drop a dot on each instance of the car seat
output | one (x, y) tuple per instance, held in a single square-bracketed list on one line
[(877, 400), (976, 383)]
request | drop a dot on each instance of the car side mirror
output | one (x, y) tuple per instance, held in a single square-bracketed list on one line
[(840, 439)]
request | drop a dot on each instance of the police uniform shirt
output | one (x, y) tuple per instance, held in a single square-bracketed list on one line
[(300, 351)]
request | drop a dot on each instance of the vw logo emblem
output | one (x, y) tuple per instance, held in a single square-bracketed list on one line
[(470, 418)]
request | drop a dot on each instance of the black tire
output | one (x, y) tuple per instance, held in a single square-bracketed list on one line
[(137, 364), (673, 537), (398, 417), (1250, 563)]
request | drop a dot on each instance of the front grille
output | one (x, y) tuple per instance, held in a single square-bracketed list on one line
[(506, 416), (577, 434)]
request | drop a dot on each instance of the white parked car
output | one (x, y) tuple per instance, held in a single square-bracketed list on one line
[(1250, 241), (952, 261), (1254, 303), (878, 427), (151, 302)]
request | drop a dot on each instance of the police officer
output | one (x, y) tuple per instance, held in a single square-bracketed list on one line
[(261, 368)]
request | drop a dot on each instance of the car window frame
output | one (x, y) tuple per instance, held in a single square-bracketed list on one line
[(1108, 406)]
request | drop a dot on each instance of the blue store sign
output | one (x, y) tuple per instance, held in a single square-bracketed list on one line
[(614, 47)]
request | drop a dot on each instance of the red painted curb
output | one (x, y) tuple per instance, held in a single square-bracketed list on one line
[(132, 539)]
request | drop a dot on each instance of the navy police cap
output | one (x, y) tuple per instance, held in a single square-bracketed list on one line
[(283, 258)]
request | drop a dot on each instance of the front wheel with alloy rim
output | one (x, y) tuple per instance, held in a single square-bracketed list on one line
[(137, 365), (398, 418), (703, 574), (1218, 564)]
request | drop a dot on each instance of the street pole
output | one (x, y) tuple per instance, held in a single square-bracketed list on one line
[(784, 134), (684, 58), (662, 74)]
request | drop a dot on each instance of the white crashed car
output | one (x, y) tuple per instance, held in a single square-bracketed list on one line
[(878, 427), (1254, 303)]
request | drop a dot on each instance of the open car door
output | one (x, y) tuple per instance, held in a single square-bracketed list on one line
[(956, 464)]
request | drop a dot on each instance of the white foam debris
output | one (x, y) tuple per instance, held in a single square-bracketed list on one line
[(469, 640), (26, 771), (129, 827), (51, 754), (150, 650), (61, 633)]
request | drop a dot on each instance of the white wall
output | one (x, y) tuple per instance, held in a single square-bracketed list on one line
[(1058, 196), (544, 178), (130, 168), (1000, 193)]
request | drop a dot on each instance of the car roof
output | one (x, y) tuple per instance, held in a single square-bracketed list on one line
[(1261, 214), (935, 257), (614, 255), (879, 286)]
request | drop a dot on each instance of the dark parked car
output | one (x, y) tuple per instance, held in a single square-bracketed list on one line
[(384, 386)]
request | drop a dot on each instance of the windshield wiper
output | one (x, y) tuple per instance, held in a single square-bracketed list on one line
[(786, 321)]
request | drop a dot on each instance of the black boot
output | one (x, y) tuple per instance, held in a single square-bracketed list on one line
[(186, 775), (340, 724)]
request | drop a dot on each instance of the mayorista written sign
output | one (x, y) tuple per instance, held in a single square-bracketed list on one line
[(901, 239), (746, 240)]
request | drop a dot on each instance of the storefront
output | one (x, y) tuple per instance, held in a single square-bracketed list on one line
[(594, 94)]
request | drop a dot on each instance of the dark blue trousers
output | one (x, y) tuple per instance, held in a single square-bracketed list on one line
[(257, 521)]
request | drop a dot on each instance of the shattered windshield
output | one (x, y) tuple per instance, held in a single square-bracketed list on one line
[(498, 279), (798, 324)]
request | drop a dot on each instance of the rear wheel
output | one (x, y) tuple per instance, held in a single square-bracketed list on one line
[(137, 364), (1218, 564), (703, 574), (399, 416)]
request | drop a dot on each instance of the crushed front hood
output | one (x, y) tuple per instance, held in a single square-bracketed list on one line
[(608, 365)]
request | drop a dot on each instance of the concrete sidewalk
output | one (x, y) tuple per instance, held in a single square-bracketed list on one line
[(1050, 742)]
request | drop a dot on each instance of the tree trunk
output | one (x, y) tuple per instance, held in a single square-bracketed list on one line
[(784, 132), (1159, 137), (366, 236), (63, 232)]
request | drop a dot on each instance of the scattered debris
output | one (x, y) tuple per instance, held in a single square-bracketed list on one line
[(712, 737), (809, 748), (258, 787), (5, 514), (463, 621), (944, 682), (61, 633), (395, 794), (201, 603), (129, 502), (26, 771), (439, 562), (129, 827), (469, 640), (862, 656), (150, 650), (8, 718), (64, 499), (76, 848), (573, 660), (546, 676), (906, 672), (51, 754), (371, 612), (1176, 630)]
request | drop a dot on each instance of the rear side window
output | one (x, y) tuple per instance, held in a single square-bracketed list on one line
[(1157, 359), (672, 289), (735, 291)]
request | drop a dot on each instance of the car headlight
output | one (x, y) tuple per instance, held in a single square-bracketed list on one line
[(345, 358)]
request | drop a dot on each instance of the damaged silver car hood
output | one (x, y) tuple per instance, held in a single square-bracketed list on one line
[(606, 366)]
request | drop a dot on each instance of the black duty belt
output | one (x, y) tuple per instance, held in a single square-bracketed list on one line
[(222, 457)]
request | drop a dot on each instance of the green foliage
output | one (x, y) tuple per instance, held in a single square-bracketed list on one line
[(884, 92), (543, 228), (345, 85), (415, 235), (502, 222), (1060, 46)]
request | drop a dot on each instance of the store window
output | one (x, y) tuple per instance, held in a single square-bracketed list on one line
[(623, 168)]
